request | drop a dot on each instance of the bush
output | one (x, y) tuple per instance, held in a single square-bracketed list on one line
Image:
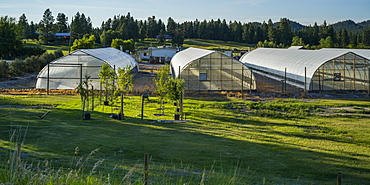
[(17, 68), (4, 68)]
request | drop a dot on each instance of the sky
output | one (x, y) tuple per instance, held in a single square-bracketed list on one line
[(306, 12)]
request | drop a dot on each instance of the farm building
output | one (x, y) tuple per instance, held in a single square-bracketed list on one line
[(206, 70), (161, 54), (66, 72), (313, 70)]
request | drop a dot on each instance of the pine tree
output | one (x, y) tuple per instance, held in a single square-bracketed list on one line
[(45, 27), (61, 24)]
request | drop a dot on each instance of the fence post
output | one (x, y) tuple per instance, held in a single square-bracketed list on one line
[(47, 82), (142, 107), (146, 168), (339, 178)]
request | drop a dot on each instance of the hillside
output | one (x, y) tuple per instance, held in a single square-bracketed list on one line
[(351, 26)]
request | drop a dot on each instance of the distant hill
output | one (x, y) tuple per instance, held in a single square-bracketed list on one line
[(294, 25), (351, 26)]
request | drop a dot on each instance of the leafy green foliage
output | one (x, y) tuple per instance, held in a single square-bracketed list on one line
[(107, 76), (124, 80), (175, 88), (85, 91), (125, 44), (87, 42), (163, 75)]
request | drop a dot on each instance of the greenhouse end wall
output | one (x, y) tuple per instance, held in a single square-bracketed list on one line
[(217, 72), (349, 72)]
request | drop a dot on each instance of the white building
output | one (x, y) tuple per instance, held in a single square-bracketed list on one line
[(160, 54)]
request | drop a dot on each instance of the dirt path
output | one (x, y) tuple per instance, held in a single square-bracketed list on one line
[(23, 82)]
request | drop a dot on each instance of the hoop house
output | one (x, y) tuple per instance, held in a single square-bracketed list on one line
[(313, 70), (206, 70), (68, 71)]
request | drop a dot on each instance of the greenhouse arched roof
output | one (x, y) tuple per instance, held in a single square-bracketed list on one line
[(112, 56), (181, 59), (298, 62)]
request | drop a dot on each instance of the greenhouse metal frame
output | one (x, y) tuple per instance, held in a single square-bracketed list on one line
[(206, 70), (68, 71), (314, 70)]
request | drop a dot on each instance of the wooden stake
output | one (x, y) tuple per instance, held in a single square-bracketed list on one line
[(146, 156)]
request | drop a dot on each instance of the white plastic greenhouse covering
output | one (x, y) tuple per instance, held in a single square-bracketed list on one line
[(299, 63), (183, 58), (207, 70), (66, 72)]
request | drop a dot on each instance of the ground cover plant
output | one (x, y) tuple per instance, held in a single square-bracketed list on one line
[(223, 141)]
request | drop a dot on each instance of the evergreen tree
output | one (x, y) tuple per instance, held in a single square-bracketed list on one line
[(171, 26), (46, 32), (178, 38), (32, 32), (285, 32), (80, 26), (152, 27), (272, 35), (61, 24), (142, 30), (23, 23), (366, 37), (10, 44)]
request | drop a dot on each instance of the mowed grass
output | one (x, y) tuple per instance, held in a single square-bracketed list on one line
[(286, 146), (199, 43), (50, 47)]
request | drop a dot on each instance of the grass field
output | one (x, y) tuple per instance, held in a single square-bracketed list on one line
[(50, 47), (200, 43), (281, 142)]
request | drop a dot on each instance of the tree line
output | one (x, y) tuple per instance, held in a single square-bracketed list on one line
[(126, 27)]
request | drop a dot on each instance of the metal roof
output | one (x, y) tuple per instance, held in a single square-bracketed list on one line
[(182, 58)]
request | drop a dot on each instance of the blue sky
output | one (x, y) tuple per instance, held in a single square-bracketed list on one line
[(304, 11)]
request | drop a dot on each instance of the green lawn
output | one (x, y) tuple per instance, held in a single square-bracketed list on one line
[(50, 47), (199, 43), (283, 142)]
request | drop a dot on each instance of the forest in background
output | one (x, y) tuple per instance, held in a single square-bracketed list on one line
[(285, 33), (343, 34)]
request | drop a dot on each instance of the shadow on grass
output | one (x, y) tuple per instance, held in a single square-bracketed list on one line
[(257, 149)]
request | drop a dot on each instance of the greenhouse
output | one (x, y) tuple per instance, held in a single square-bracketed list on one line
[(206, 70), (313, 70), (68, 71)]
